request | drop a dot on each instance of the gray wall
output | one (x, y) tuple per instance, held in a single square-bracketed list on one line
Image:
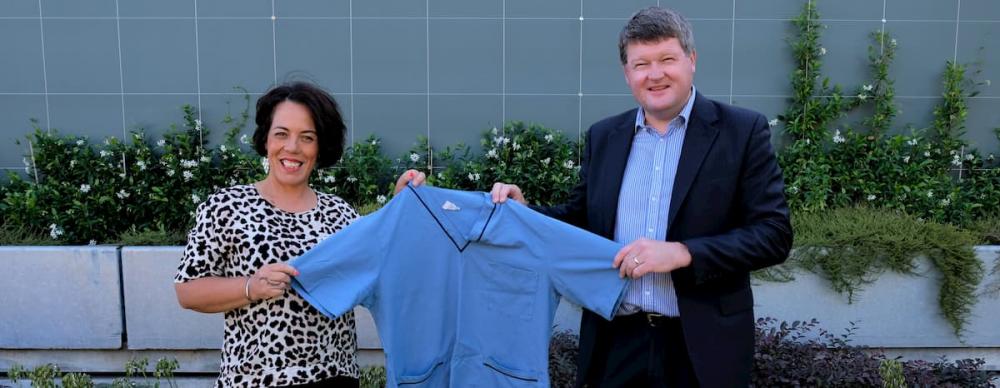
[(447, 69)]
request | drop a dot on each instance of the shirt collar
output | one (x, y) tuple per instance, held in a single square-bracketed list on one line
[(640, 117)]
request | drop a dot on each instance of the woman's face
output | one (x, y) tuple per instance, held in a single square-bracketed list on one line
[(292, 144)]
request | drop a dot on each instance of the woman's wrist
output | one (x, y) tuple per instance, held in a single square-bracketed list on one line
[(246, 289)]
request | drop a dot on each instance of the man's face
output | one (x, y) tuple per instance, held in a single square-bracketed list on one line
[(659, 74)]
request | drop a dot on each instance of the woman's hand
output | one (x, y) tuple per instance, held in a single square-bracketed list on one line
[(270, 281), (413, 177)]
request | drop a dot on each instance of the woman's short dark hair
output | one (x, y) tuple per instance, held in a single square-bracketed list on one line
[(330, 127)]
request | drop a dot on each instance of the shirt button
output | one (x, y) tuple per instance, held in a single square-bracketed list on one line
[(650, 230)]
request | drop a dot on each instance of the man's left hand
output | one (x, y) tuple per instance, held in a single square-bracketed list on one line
[(644, 256)]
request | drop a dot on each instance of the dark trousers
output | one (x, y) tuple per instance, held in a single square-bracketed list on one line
[(646, 351), (336, 382)]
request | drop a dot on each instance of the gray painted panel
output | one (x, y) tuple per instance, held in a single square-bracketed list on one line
[(714, 48), (623, 9), (463, 119), (602, 70), (543, 9), (922, 10), (980, 10), (63, 298), (325, 61), (389, 8), (556, 112), (154, 113), (82, 56), (773, 9), (596, 108), (20, 109), (983, 118), (979, 50), (465, 56), (311, 8), (21, 68), (762, 58), (920, 57), (168, 66), (393, 58), (543, 56), (235, 53), (398, 130), (19, 8), (234, 8), (705, 9), (846, 59), (849, 9), (156, 8), (770, 107), (96, 116), (915, 113), (465, 8), (216, 107), (76, 8)]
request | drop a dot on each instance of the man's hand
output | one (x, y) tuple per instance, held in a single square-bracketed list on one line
[(644, 256), (501, 191)]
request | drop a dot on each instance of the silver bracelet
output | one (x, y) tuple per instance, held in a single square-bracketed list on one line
[(246, 289)]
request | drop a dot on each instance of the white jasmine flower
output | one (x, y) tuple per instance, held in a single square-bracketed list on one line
[(352, 179), (374, 142), (414, 157), (141, 164), (945, 202), (773, 122), (930, 194), (822, 51), (161, 143), (105, 154), (548, 138), (197, 125), (991, 157), (189, 163), (546, 161), (952, 152), (906, 159), (80, 142), (568, 164), (494, 130), (84, 188), (793, 190), (188, 175), (170, 172), (205, 159), (441, 175), (516, 146), (956, 161), (329, 179), (195, 198), (893, 41), (55, 231), (380, 199), (808, 141), (122, 194), (92, 242), (912, 142), (492, 153), (474, 177), (506, 140), (244, 139), (927, 154), (837, 138), (222, 148), (871, 197), (970, 157), (868, 87), (72, 163), (862, 96)]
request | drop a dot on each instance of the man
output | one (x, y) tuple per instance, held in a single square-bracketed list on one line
[(692, 186)]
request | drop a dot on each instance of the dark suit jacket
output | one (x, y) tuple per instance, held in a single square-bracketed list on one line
[(727, 206)]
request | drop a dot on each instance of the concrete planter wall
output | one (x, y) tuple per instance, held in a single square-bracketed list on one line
[(74, 298), (60, 298), (155, 320)]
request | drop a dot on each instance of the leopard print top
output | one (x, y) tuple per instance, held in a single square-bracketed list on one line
[(283, 340)]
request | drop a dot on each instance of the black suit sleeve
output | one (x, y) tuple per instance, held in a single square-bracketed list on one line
[(765, 235)]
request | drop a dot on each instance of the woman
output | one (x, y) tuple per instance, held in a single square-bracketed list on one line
[(235, 257)]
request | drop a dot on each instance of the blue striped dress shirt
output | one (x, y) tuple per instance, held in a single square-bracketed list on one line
[(644, 204)]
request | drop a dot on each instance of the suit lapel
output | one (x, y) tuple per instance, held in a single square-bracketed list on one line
[(701, 134), (619, 145)]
